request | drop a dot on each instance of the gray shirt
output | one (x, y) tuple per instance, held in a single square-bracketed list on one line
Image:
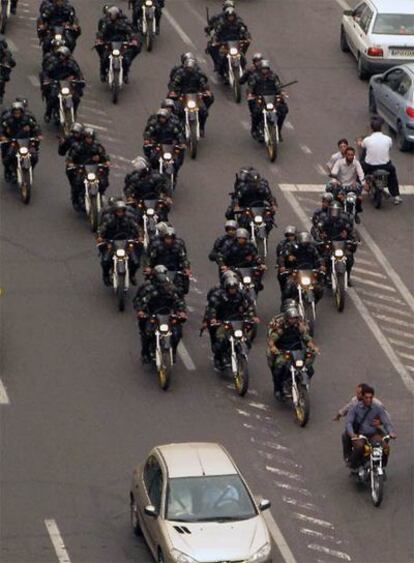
[(357, 413), (345, 409), (348, 173)]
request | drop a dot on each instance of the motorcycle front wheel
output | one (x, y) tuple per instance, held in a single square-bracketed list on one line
[(340, 293), (120, 292), (164, 371), (262, 248), (272, 143), (115, 87), (377, 198), (148, 40), (377, 489), (26, 187), (241, 377), (237, 88), (192, 141), (302, 409), (93, 214)]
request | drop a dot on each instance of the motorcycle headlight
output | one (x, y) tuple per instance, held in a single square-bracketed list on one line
[(164, 328), (299, 363), (120, 253), (150, 212), (148, 3), (261, 556), (339, 253), (258, 219), (58, 37), (351, 197), (234, 51), (167, 156), (247, 280), (238, 333), (23, 151), (305, 280), (91, 177), (270, 107), (191, 104), (116, 52), (65, 91)]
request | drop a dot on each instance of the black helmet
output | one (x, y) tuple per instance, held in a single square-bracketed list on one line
[(335, 209), (168, 103), (253, 175), (162, 112), (141, 164), (243, 173), (304, 238), (290, 230), (77, 128), (63, 52)]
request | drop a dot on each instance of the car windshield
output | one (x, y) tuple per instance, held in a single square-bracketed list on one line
[(204, 499), (394, 24)]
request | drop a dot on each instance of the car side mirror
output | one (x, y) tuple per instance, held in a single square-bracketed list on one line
[(348, 12), (264, 504), (151, 511)]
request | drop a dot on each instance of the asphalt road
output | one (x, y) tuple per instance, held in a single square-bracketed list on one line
[(82, 411)]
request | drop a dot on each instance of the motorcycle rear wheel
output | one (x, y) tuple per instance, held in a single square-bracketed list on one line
[(241, 378), (302, 409), (377, 198), (115, 87), (377, 491), (262, 248), (237, 90), (148, 41)]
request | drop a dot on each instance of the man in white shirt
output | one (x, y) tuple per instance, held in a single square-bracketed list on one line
[(348, 173), (342, 146), (377, 147)]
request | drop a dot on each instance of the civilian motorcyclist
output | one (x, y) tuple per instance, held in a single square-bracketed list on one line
[(286, 333), (347, 176), (230, 228), (342, 146)]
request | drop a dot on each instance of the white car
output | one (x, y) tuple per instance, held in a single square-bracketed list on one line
[(380, 34), (193, 506)]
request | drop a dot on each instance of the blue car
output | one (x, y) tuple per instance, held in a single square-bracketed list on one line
[(391, 95)]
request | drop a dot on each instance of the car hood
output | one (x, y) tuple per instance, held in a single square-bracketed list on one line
[(212, 541)]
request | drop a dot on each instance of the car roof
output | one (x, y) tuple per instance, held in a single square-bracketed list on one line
[(393, 6), (196, 459)]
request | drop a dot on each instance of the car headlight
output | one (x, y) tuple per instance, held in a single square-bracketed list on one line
[(23, 151), (65, 91), (91, 177), (270, 106), (247, 280), (180, 557), (191, 104), (258, 219), (116, 52), (120, 253), (299, 363), (164, 328), (339, 253), (167, 156), (150, 212), (238, 333), (305, 280), (262, 555), (234, 51)]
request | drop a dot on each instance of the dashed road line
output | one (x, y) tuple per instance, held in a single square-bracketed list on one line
[(407, 189), (374, 284), (388, 308), (314, 521), (57, 541), (173, 22), (292, 488), (34, 81), (284, 473), (298, 503), (331, 552), (185, 357), (401, 343), (97, 127), (393, 320), (305, 149), (381, 296), (369, 272), (315, 534)]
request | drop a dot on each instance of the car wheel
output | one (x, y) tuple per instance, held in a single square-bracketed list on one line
[(362, 71), (343, 41), (136, 528), (372, 102), (403, 144)]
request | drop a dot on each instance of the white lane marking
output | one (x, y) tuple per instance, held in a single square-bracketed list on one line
[(57, 541), (379, 255), (343, 4), (4, 398), (388, 308), (248, 426), (368, 272), (246, 125), (315, 534), (111, 139), (198, 16), (305, 149), (399, 332), (190, 309), (406, 356), (287, 487), (121, 158), (179, 29), (366, 262), (320, 169), (404, 190), (34, 80), (271, 445), (372, 294), (93, 110), (185, 357), (260, 406), (278, 538), (374, 284), (97, 127), (298, 503), (314, 521), (393, 320), (288, 125), (284, 473), (12, 45), (401, 343), (331, 552), (362, 309), (243, 413)]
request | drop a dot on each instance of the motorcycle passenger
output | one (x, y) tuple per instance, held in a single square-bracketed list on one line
[(87, 151), (171, 253), (362, 418), (252, 69), (228, 28), (158, 294), (17, 124), (265, 83), (377, 148), (320, 214), (163, 131), (216, 18), (61, 66), (118, 222), (342, 146), (67, 143), (229, 304), (251, 189), (230, 228), (146, 183), (302, 255), (283, 248), (137, 6), (7, 63), (58, 13), (116, 28), (190, 80), (347, 172), (242, 253), (184, 57), (286, 333)]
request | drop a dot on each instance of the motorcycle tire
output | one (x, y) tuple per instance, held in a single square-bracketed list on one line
[(26, 187), (377, 492), (93, 215), (262, 248), (340, 293), (120, 292), (237, 90), (193, 141), (377, 198), (302, 409), (149, 40), (164, 371), (308, 316), (68, 122), (241, 378), (115, 87), (272, 144)]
